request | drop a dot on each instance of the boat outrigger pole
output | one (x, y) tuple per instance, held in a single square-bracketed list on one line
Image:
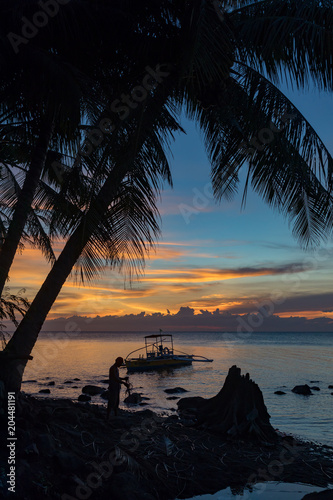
[(193, 356)]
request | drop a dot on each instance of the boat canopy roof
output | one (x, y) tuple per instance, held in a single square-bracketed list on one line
[(159, 335)]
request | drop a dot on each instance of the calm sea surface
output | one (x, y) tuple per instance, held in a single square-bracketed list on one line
[(275, 361)]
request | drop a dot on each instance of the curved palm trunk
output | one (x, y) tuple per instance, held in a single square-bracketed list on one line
[(24, 202), (18, 349)]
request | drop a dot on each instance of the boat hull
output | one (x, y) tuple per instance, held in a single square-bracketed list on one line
[(156, 364)]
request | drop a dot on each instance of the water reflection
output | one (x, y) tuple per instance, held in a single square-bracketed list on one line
[(261, 491)]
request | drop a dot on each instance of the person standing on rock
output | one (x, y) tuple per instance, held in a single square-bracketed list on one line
[(114, 386)]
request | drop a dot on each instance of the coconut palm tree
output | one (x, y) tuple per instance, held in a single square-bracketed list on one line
[(225, 63), (50, 81)]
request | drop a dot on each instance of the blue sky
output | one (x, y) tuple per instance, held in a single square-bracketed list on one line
[(211, 256)]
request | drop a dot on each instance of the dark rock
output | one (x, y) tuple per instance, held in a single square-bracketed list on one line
[(45, 391), (187, 422), (144, 397), (76, 379), (237, 411), (29, 381), (302, 389), (315, 388), (24, 436), (31, 449), (176, 390), (171, 398), (104, 381), (23, 472), (279, 393), (314, 381), (190, 403), (92, 390), (134, 398), (321, 495), (45, 414), (68, 462), (147, 413), (125, 486), (105, 395), (45, 444), (331, 393), (75, 386), (68, 382), (84, 397), (69, 415), (330, 386), (172, 418), (51, 383)]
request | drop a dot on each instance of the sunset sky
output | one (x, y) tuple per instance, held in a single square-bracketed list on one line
[(210, 256)]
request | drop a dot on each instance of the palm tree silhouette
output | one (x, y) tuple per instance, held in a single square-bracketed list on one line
[(51, 81)]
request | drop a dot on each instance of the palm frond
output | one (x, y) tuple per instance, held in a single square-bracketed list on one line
[(10, 306), (37, 226), (291, 39), (287, 163)]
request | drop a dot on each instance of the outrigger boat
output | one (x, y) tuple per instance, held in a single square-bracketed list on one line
[(160, 354)]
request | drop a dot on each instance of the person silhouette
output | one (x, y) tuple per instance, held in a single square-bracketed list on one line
[(114, 386)]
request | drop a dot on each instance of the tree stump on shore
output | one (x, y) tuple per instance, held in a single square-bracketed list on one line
[(237, 411)]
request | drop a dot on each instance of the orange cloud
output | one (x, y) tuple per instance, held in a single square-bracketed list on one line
[(160, 288), (164, 253), (306, 314), (209, 275)]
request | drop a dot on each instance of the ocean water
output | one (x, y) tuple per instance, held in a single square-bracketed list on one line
[(272, 490), (275, 361)]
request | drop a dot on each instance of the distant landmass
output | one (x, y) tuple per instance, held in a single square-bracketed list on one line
[(186, 320)]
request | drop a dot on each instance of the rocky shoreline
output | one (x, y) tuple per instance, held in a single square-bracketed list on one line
[(67, 450)]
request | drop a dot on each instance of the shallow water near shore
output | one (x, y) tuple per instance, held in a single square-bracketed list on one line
[(275, 361), (269, 490)]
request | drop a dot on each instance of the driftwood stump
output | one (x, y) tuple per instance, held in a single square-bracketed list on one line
[(237, 411)]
